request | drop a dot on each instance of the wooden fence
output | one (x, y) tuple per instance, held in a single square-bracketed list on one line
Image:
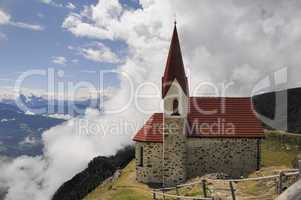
[(163, 192), (293, 192)]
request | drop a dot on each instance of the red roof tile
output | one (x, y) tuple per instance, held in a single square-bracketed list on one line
[(216, 117), (152, 130), (174, 68)]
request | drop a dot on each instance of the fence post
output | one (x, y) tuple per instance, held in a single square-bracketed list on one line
[(163, 194), (232, 190), (204, 187), (177, 192), (299, 166), (154, 195), (280, 182)]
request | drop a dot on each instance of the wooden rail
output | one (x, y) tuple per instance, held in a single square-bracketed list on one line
[(203, 184), (178, 196)]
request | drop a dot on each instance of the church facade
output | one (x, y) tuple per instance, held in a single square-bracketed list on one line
[(195, 136)]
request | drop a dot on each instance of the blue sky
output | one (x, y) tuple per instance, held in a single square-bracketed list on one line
[(49, 45)]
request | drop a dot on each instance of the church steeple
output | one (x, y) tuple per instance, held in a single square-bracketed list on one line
[(174, 69)]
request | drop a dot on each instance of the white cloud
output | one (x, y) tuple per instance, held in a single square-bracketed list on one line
[(71, 6), (46, 1), (245, 74), (99, 53), (231, 33), (33, 27), (80, 94), (29, 113), (5, 19), (37, 178), (52, 3), (60, 116), (7, 120), (60, 60), (74, 24)]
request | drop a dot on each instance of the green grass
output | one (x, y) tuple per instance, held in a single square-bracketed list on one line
[(277, 150), (128, 194), (124, 188), (283, 137)]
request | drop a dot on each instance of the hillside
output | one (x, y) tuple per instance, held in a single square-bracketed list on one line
[(124, 187), (98, 170), (277, 155)]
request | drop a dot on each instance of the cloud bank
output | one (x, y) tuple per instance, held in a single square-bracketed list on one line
[(219, 39)]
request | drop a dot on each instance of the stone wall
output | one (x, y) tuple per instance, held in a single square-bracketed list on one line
[(151, 171), (190, 157), (174, 170), (235, 157)]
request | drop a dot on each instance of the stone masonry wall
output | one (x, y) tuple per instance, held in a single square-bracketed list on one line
[(190, 157), (235, 157), (174, 170), (151, 171)]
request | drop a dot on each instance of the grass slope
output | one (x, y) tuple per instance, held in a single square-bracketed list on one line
[(280, 149), (277, 154), (124, 188)]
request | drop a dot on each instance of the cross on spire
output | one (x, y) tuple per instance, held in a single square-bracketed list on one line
[(175, 20)]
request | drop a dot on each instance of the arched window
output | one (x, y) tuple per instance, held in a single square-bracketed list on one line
[(175, 107)]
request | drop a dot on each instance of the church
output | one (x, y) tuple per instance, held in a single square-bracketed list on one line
[(195, 136)]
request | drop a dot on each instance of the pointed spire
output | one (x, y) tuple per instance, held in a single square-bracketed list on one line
[(174, 66)]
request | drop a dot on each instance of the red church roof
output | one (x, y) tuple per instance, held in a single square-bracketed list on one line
[(210, 117), (174, 66)]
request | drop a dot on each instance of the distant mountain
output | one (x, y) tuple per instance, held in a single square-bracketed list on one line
[(282, 109), (49, 106), (25, 118), (20, 133)]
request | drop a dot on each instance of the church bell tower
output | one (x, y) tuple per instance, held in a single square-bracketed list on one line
[(175, 95)]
